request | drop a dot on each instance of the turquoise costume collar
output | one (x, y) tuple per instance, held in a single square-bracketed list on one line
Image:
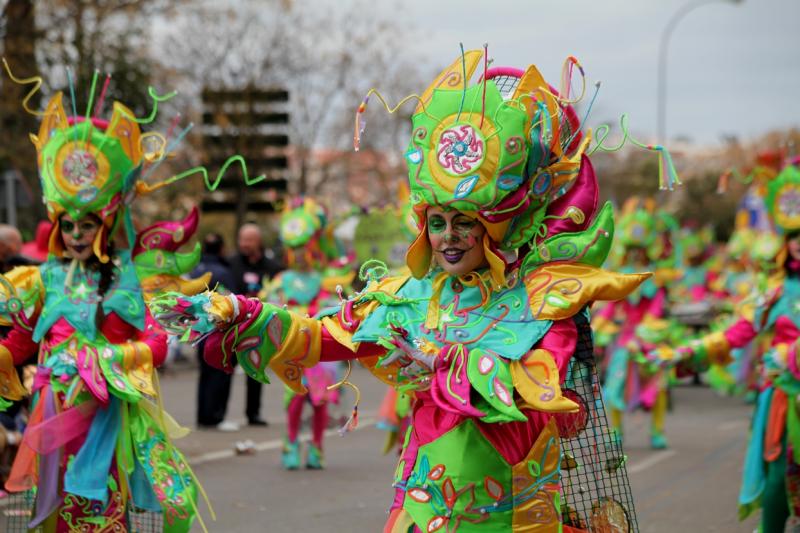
[(503, 324), (77, 302)]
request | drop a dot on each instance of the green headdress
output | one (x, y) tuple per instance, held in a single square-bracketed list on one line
[(500, 149), (783, 199), (507, 149), (637, 227)]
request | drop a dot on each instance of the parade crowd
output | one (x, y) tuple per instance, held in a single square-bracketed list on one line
[(522, 312)]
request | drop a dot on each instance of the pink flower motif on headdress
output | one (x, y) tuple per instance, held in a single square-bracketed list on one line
[(789, 202), (80, 168), (460, 149)]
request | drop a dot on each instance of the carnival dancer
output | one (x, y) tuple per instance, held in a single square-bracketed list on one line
[(306, 287), (694, 253), (751, 253), (632, 327), (771, 472), (483, 330), (750, 264), (98, 445)]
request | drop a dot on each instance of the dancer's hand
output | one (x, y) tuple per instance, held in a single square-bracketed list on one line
[(407, 353), (203, 313), (665, 357)]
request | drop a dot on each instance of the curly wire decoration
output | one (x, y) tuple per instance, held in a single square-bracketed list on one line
[(37, 84), (72, 100), (156, 100), (101, 100), (88, 114), (153, 151), (211, 184), (566, 82), (667, 175), (373, 270), (166, 151), (485, 68), (361, 123), (585, 117), (464, 78)]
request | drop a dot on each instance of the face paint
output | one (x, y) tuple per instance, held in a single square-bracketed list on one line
[(793, 245), (456, 241), (78, 236)]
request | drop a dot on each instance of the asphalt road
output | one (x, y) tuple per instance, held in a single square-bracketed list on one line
[(690, 487)]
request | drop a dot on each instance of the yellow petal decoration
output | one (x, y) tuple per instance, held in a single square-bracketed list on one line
[(387, 374), (25, 283), (399, 522), (300, 350), (124, 128), (718, 348), (432, 317), (540, 467), (154, 285), (536, 379), (452, 77), (10, 387), (138, 366), (54, 118), (497, 267), (559, 290), (338, 330), (419, 253)]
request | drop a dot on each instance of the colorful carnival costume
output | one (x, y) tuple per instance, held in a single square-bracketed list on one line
[(484, 353), (696, 283), (307, 286), (771, 473), (632, 327), (98, 445)]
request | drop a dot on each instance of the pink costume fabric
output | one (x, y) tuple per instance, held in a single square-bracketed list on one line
[(433, 416)]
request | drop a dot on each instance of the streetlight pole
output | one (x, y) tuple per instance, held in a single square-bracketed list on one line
[(661, 98)]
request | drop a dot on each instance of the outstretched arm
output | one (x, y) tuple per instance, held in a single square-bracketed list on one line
[(258, 334), (716, 347)]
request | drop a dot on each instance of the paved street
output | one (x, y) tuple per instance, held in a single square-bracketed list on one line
[(690, 487)]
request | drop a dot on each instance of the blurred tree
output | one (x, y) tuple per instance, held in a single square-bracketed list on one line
[(247, 43), (16, 151), (703, 205), (110, 36), (46, 37)]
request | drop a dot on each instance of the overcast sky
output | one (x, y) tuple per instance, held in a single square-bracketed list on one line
[(732, 69)]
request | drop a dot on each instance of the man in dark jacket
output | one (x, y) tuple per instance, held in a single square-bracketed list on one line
[(214, 385), (250, 266)]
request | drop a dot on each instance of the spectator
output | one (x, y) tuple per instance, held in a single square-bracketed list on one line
[(250, 266), (214, 385), (10, 246)]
